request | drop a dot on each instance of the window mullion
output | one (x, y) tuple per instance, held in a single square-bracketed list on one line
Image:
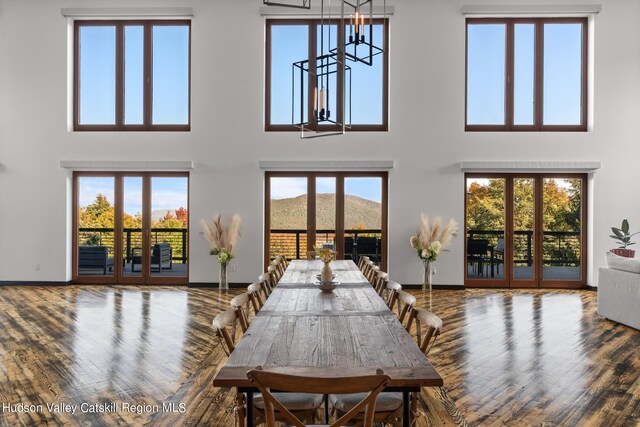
[(509, 74), (147, 87), (539, 74), (119, 76)]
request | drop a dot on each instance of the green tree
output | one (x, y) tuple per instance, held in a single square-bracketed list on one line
[(99, 214)]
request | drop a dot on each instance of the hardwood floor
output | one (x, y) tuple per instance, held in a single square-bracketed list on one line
[(537, 357), (507, 357)]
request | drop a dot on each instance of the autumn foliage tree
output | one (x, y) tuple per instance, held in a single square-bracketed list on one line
[(561, 212), (100, 215)]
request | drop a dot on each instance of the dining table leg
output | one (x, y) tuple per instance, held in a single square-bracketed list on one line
[(406, 409), (326, 409), (249, 409)]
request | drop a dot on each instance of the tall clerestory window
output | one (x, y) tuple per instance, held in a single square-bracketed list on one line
[(292, 40), (526, 74), (132, 75)]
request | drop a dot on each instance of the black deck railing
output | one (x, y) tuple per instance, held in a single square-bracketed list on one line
[(293, 242), (560, 248), (132, 239)]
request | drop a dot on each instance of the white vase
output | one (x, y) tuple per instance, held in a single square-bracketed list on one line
[(326, 275)]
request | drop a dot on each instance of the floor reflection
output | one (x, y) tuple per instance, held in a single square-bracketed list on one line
[(129, 339)]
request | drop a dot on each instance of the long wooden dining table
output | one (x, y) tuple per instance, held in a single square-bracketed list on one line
[(346, 332)]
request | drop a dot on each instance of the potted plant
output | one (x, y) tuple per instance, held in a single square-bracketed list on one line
[(623, 237)]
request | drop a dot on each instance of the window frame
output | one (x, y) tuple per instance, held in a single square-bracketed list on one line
[(340, 203), (538, 91), (119, 125), (312, 25), (537, 281)]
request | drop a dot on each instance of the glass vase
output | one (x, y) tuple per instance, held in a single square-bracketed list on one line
[(428, 275), (223, 284)]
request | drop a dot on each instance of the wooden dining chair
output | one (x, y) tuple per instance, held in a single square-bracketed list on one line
[(274, 272), (242, 303), (277, 262), (368, 386), (428, 328), (392, 293), (373, 275), (362, 261), (282, 260), (266, 281), (370, 271), (405, 302), (221, 322), (366, 269), (380, 282), (311, 255), (256, 292)]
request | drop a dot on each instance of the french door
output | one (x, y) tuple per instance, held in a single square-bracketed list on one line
[(131, 228), (525, 230), (346, 211)]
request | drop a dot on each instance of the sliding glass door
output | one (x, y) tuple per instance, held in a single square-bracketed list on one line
[(341, 210), (525, 230), (131, 228), (363, 217), (95, 229)]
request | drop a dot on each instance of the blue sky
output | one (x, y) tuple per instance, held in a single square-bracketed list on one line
[(166, 192), (562, 73), (368, 188), (170, 75)]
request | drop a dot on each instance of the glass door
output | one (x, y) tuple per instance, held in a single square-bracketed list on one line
[(485, 222), (94, 237), (363, 218), (346, 211), (287, 217), (522, 256), (562, 230), (169, 228), (132, 225), (325, 212), (131, 228), (525, 230)]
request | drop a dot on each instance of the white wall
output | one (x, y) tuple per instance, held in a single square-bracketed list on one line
[(426, 137)]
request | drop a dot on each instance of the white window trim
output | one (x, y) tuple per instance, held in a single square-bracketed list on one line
[(127, 165), (126, 12), (530, 10), (326, 165), (537, 167)]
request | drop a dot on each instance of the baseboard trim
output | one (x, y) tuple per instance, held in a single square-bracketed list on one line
[(215, 285), (33, 283)]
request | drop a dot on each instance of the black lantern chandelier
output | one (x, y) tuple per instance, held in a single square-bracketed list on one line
[(321, 86), (359, 45)]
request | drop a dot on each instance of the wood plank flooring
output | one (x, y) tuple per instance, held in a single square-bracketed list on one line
[(507, 357)]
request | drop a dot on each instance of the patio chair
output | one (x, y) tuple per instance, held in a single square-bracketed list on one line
[(94, 257), (477, 255)]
